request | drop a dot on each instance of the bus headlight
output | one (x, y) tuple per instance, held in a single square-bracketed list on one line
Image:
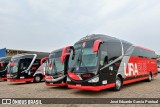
[(94, 80), (44, 73), (68, 79)]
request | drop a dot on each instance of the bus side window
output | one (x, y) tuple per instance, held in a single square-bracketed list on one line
[(114, 50), (104, 54), (104, 58), (35, 65)]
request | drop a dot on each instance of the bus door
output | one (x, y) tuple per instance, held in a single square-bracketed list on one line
[(23, 66), (35, 66), (110, 60)]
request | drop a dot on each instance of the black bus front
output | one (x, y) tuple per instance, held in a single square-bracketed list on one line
[(20, 68), (84, 67), (56, 70), (96, 63)]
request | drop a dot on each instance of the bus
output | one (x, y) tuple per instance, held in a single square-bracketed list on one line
[(27, 67), (99, 62), (4, 61), (57, 66)]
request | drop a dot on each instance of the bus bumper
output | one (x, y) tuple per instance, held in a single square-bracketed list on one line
[(53, 84), (3, 79), (20, 80), (91, 88)]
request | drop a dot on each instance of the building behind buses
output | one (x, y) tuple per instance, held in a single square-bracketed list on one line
[(4, 61), (57, 67), (99, 62), (27, 67)]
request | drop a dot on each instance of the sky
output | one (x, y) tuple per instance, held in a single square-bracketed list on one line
[(46, 25)]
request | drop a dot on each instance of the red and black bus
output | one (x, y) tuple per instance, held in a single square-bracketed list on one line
[(27, 67), (3, 67), (99, 62), (57, 66)]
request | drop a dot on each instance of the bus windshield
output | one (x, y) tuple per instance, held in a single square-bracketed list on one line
[(14, 69), (55, 66), (20, 64), (84, 59)]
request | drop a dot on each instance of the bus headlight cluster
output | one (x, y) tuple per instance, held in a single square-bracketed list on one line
[(44, 73), (68, 79), (94, 80)]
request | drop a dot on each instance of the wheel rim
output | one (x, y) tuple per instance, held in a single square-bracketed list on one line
[(38, 78), (118, 84)]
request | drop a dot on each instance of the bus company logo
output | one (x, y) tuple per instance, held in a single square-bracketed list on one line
[(50, 66), (131, 69), (86, 75), (6, 101), (84, 44)]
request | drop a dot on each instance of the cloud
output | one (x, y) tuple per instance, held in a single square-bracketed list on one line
[(44, 25)]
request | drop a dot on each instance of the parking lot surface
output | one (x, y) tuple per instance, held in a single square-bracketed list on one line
[(140, 89)]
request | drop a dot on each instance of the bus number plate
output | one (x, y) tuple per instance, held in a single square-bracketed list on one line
[(78, 85)]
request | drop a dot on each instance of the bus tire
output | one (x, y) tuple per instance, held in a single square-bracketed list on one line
[(118, 84), (150, 77), (37, 78)]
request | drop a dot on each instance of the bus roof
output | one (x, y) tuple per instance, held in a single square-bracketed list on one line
[(39, 55), (145, 48), (57, 50), (5, 59), (101, 37)]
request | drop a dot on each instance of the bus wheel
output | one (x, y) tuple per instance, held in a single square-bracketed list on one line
[(150, 77), (118, 84), (37, 78)]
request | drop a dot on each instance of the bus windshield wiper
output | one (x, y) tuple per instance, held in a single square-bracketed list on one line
[(84, 66), (77, 61), (54, 67), (80, 60)]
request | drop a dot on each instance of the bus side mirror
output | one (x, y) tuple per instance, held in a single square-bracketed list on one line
[(43, 59), (65, 53), (96, 45), (1, 64)]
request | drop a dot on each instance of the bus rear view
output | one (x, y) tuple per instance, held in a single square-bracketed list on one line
[(26, 68)]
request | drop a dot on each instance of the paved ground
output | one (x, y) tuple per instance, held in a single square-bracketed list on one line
[(40, 90)]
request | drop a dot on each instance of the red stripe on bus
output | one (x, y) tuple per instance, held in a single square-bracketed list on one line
[(20, 80), (52, 84), (134, 80), (91, 88), (4, 79)]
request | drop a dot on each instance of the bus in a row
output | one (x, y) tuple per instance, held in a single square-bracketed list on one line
[(57, 67), (95, 62), (27, 67), (99, 62)]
